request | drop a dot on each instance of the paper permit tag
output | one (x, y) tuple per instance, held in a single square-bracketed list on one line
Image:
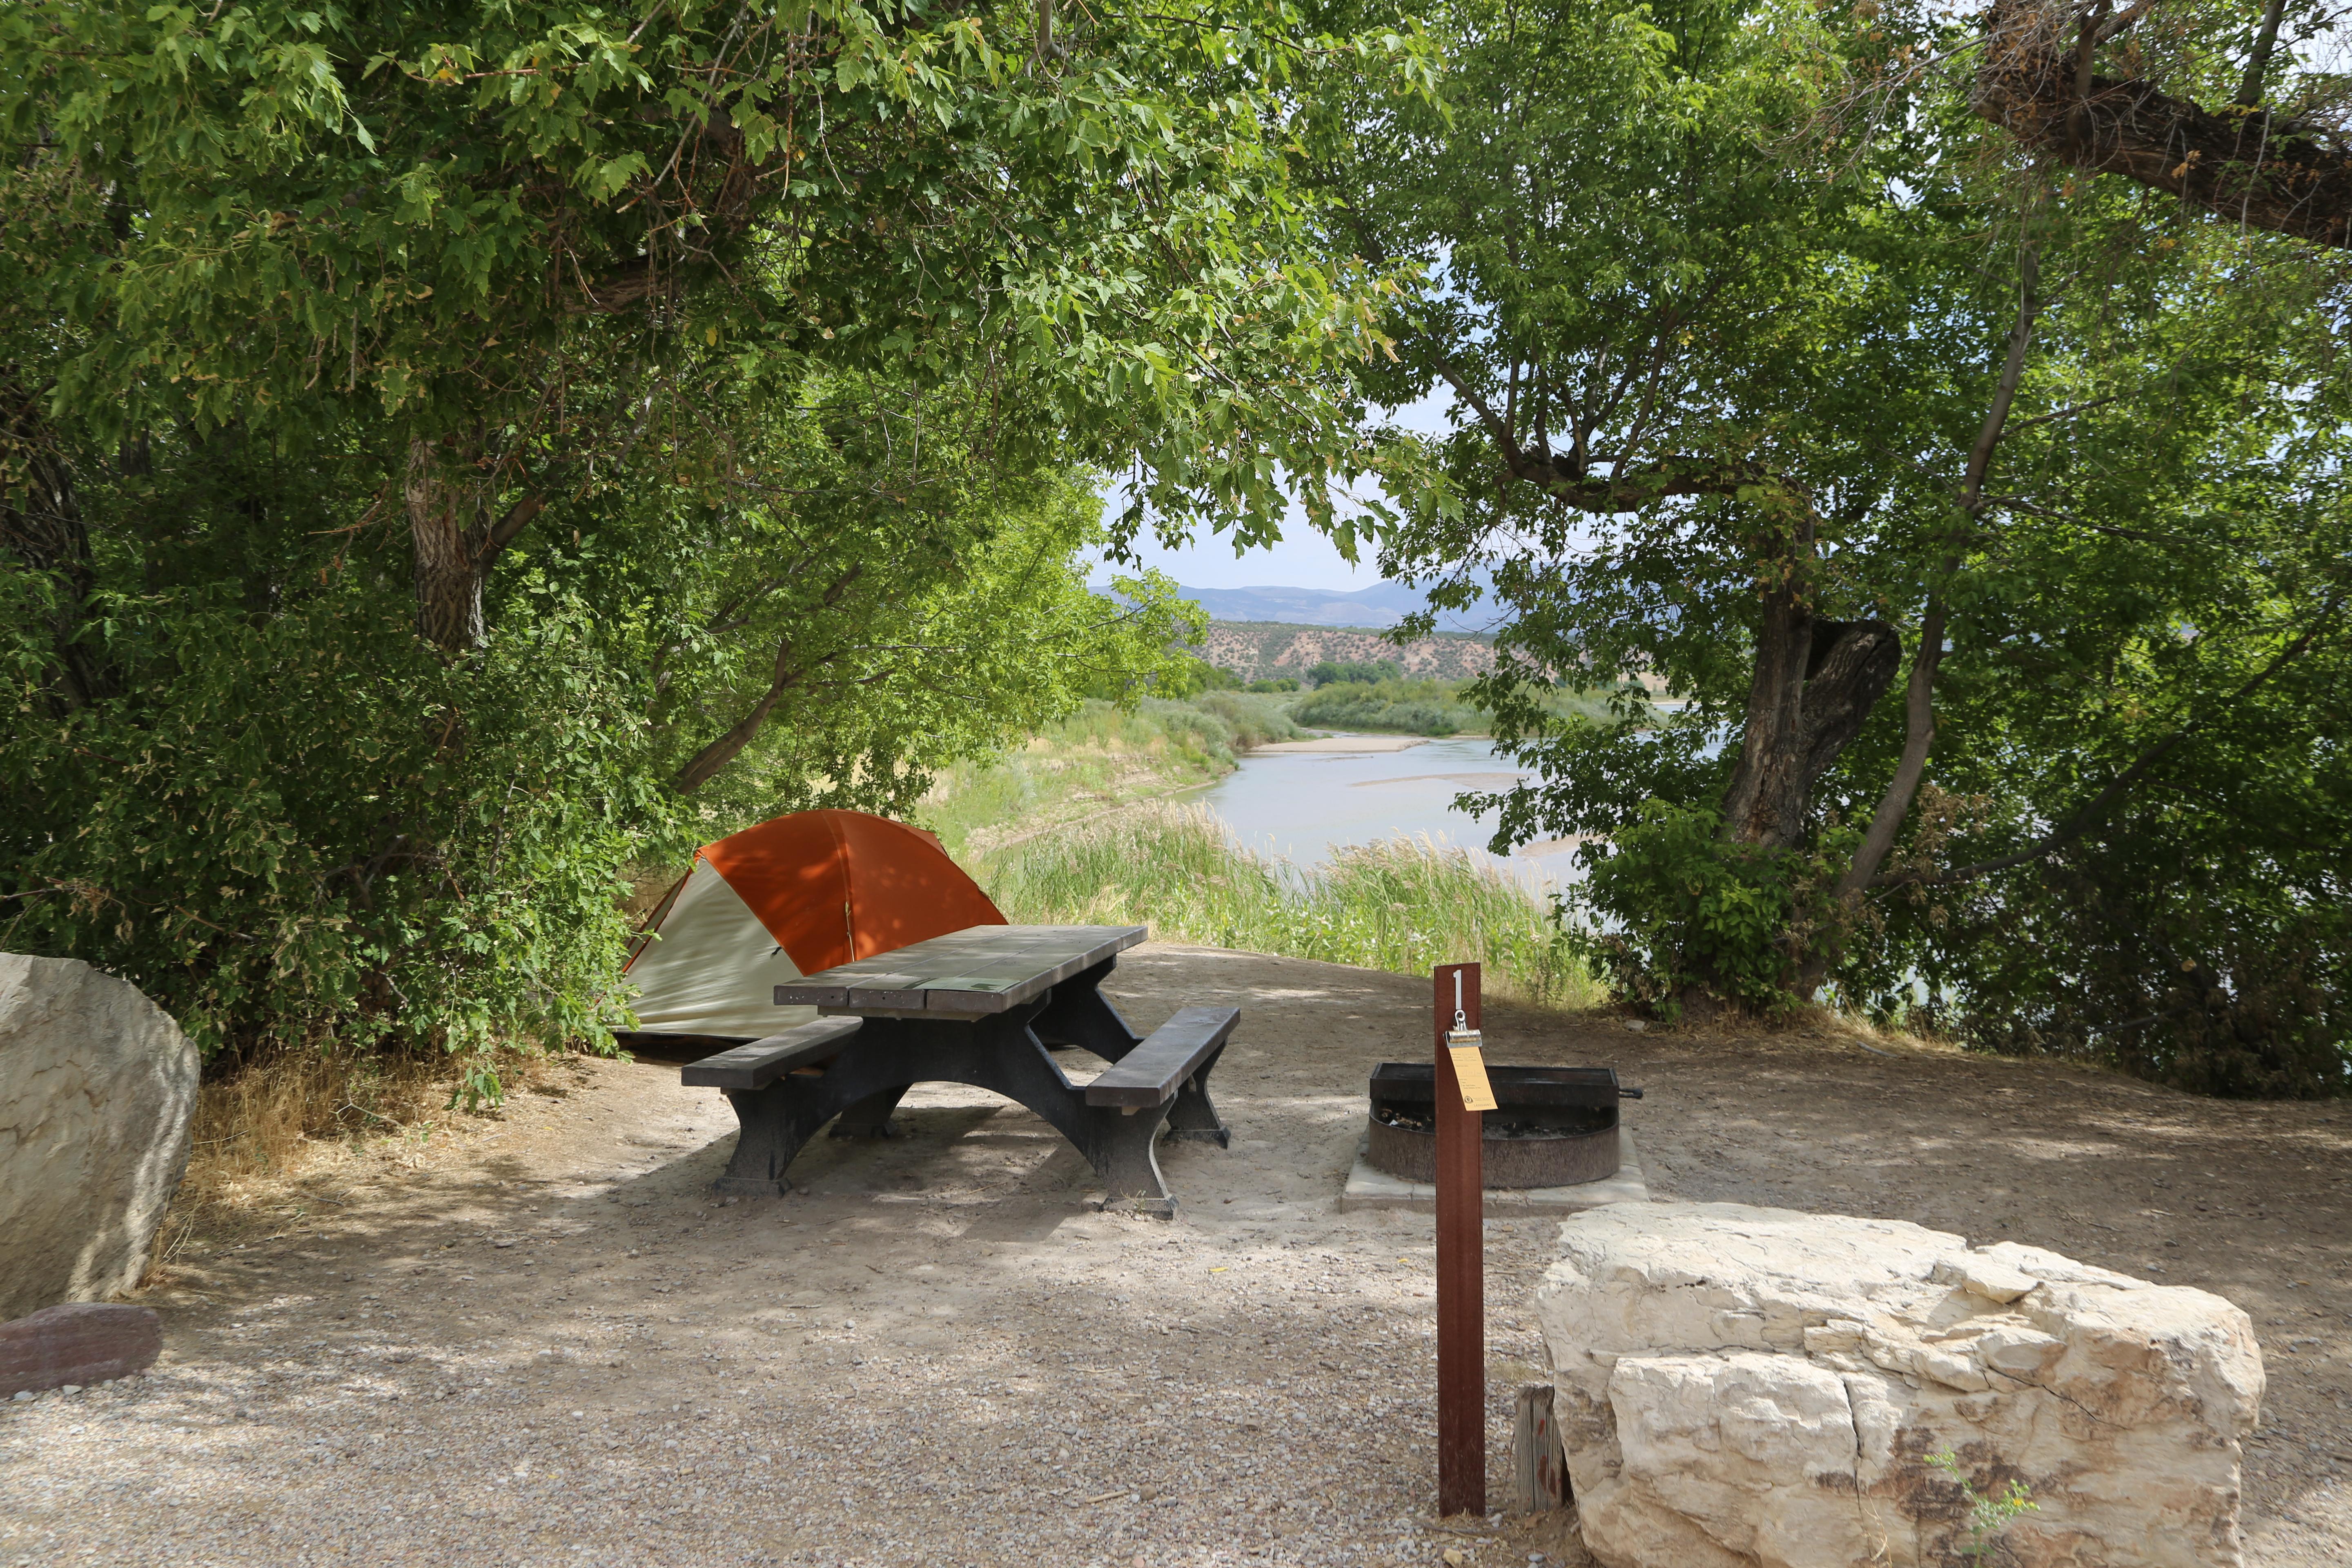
[(1470, 1069)]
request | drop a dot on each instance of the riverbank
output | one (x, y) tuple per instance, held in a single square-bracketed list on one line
[(1343, 744), (1099, 759), (1117, 818)]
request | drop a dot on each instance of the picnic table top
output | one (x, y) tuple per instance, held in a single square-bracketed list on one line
[(976, 971)]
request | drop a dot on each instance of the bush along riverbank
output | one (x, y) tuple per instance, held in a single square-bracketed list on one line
[(1397, 707), (1402, 906), (1394, 705)]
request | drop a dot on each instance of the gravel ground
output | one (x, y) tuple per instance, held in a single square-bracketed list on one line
[(549, 1344)]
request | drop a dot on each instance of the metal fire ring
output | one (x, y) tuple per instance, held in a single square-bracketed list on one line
[(1552, 1127)]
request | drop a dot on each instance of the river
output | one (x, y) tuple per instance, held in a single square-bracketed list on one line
[(1300, 804)]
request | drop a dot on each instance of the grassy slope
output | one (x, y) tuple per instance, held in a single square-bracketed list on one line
[(1076, 827), (1099, 759), (1405, 905)]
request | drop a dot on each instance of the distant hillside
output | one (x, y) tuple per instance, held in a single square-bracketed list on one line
[(1267, 650), (1381, 605)]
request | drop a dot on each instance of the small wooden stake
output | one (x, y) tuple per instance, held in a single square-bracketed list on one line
[(1536, 1454), (1461, 1264)]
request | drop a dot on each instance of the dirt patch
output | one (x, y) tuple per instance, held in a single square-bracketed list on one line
[(549, 1344)]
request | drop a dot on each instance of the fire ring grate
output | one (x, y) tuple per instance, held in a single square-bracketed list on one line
[(1552, 1127)]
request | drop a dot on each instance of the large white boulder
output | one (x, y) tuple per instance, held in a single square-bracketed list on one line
[(97, 1086), (1744, 1387)]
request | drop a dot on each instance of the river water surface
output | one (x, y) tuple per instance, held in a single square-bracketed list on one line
[(1301, 805)]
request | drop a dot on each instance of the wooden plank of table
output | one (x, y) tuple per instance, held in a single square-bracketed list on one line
[(883, 991), (996, 987), (1010, 952), (978, 970)]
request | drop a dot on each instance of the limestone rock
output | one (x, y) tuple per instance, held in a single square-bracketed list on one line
[(80, 1343), (97, 1089), (1744, 1387)]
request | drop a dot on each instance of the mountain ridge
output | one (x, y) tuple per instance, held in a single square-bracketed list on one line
[(1381, 605), (1269, 651), (1378, 607)]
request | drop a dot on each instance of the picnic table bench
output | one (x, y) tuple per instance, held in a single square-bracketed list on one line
[(982, 1007)]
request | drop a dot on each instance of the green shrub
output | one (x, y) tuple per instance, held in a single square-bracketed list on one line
[(1370, 672), (1248, 723), (311, 829), (2152, 950), (1667, 908), (1189, 675), (1405, 707)]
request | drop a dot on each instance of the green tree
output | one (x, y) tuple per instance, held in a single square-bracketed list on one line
[(465, 219), (1771, 403), (294, 820), (447, 452)]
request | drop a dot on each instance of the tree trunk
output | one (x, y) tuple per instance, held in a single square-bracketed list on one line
[(1815, 683), (41, 524), (1762, 805), (1853, 663), (449, 527)]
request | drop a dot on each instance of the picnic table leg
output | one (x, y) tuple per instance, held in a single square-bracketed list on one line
[(1081, 1016), (775, 1123), (1116, 1141), (1126, 1154), (1003, 1054), (1192, 1116), (870, 1117)]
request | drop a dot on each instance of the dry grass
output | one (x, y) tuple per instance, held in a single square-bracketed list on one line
[(268, 1132)]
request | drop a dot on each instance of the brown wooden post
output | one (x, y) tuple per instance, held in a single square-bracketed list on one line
[(1461, 1268)]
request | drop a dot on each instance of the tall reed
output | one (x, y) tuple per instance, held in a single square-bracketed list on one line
[(1403, 905), (1099, 757)]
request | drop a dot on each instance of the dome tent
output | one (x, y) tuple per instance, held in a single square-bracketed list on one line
[(790, 897)]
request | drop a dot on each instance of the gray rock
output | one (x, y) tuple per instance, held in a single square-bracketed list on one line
[(97, 1089)]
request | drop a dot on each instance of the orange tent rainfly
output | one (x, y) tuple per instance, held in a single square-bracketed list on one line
[(786, 899)]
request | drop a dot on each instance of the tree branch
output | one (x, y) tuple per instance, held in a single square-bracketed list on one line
[(2087, 816), (1674, 475), (1919, 689), (704, 765), (2258, 64), (2012, 371), (518, 518), (2258, 169)]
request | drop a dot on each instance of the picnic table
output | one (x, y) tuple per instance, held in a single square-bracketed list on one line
[(983, 1006)]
